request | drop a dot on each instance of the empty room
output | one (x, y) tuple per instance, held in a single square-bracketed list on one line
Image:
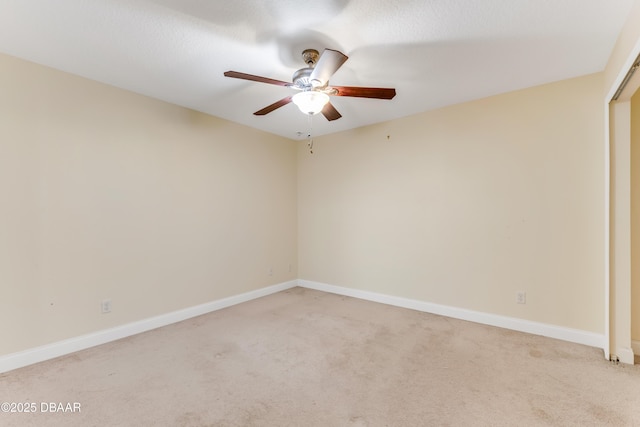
[(330, 213)]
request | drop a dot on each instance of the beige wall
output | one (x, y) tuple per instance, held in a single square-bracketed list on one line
[(466, 205), (635, 217), (108, 194)]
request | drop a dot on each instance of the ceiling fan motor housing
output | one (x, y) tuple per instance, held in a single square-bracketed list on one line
[(301, 79)]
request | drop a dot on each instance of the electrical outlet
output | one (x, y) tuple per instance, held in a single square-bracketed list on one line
[(521, 297), (270, 271), (105, 306)]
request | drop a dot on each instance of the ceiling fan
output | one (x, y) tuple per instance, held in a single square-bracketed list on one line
[(312, 82)]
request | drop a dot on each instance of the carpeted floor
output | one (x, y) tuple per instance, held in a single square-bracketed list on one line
[(307, 358)]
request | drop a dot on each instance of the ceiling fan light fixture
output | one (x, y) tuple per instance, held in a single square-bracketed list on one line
[(310, 102)]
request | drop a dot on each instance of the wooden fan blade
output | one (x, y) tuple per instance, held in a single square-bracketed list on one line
[(327, 65), (330, 112), (274, 106), (244, 76), (365, 92)]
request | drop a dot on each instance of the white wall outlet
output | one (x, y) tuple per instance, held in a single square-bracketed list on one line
[(270, 271), (521, 297), (289, 268), (105, 306)]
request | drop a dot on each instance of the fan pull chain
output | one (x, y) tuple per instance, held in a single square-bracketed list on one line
[(310, 139)]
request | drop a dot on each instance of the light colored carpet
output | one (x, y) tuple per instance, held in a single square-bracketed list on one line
[(307, 358)]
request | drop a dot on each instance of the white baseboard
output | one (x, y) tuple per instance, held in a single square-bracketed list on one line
[(39, 354), (61, 348), (566, 334)]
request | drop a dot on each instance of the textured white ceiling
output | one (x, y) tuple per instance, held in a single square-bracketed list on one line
[(434, 52)]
